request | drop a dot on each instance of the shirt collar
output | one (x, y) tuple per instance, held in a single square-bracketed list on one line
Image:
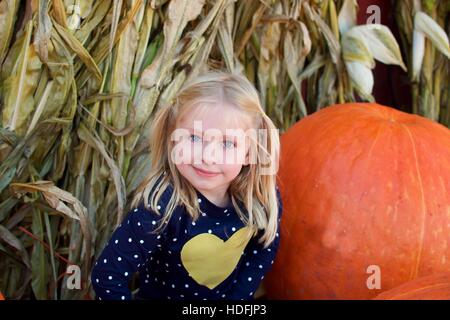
[(210, 209)]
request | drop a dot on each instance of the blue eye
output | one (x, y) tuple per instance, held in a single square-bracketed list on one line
[(229, 144), (194, 138)]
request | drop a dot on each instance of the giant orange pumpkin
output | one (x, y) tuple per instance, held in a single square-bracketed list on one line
[(434, 287), (364, 186)]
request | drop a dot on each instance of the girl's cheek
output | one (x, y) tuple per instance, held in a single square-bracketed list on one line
[(235, 156), (196, 155), (182, 153), (231, 170)]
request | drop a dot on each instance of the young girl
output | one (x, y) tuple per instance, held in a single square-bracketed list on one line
[(205, 223)]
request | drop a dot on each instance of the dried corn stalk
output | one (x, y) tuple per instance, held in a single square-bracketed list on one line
[(424, 28)]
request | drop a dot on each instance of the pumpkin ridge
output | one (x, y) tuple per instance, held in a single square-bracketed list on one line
[(432, 286), (415, 270)]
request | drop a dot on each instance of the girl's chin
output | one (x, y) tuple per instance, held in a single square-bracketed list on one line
[(203, 185)]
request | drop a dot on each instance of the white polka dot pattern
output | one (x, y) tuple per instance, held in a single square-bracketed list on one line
[(136, 248)]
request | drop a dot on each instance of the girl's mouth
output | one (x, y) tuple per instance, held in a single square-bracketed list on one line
[(205, 173)]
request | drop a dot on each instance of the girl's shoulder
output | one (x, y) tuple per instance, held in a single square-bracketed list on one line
[(280, 202), (164, 197), (145, 213), (277, 189)]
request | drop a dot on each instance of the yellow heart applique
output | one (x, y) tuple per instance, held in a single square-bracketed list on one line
[(210, 260)]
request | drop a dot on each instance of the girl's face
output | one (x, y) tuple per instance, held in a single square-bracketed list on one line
[(210, 146)]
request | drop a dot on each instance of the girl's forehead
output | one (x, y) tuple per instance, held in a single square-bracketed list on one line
[(216, 116)]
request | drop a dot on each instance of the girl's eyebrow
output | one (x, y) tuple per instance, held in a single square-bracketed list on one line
[(193, 129)]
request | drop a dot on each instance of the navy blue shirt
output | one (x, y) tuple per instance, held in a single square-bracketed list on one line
[(188, 260)]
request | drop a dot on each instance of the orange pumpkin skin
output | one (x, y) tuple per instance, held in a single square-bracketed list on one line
[(434, 287), (362, 184), (1, 296)]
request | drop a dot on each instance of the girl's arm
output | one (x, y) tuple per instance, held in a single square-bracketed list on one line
[(126, 251), (256, 262)]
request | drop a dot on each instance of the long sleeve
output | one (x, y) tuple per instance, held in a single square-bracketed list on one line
[(127, 250), (256, 262)]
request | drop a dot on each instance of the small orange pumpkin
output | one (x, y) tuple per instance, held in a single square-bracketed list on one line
[(434, 287), (362, 185)]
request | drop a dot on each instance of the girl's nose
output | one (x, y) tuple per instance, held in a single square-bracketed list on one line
[(211, 153)]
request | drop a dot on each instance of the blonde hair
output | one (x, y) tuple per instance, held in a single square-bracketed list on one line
[(252, 188)]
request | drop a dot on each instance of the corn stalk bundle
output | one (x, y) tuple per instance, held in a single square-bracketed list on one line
[(424, 29), (80, 80)]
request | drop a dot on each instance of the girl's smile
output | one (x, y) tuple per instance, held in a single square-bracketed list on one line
[(205, 173)]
